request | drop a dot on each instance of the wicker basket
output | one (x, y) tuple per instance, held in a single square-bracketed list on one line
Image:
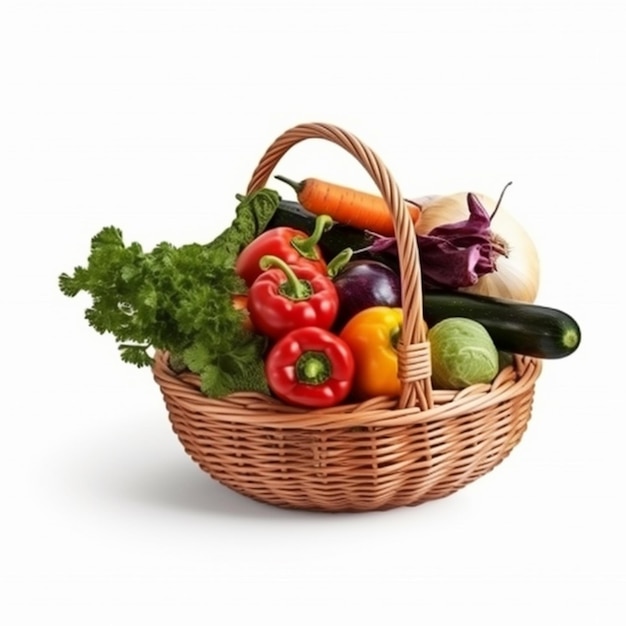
[(374, 455)]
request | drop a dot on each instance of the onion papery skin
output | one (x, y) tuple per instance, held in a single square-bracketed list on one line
[(517, 275)]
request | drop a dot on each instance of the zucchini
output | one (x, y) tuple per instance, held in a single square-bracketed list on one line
[(517, 327), (333, 241)]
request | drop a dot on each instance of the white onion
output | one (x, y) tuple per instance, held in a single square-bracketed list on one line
[(517, 275)]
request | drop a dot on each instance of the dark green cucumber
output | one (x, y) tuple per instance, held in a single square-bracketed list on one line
[(518, 327), (334, 240)]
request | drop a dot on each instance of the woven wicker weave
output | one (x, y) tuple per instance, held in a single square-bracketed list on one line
[(374, 455)]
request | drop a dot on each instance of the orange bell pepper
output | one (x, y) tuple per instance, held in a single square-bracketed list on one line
[(372, 335)]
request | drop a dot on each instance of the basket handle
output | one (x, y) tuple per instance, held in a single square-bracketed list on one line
[(414, 365)]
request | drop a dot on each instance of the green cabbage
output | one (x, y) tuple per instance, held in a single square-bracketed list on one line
[(462, 354)]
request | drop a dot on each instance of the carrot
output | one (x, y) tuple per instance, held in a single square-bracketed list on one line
[(346, 205), (240, 303)]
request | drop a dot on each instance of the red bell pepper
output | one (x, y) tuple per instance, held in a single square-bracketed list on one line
[(283, 298), (310, 367), (291, 245)]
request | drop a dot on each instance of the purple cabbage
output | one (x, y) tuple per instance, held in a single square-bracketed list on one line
[(454, 255)]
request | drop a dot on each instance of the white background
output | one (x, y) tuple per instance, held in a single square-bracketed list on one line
[(151, 115)]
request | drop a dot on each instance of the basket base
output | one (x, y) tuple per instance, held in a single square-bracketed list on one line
[(347, 470)]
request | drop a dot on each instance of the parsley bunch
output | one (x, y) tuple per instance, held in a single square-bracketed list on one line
[(179, 300)]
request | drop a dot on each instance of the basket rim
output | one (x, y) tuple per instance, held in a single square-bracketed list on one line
[(183, 389)]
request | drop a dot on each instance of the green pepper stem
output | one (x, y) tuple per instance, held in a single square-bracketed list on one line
[(338, 262), (306, 245), (394, 337), (293, 288), (313, 368)]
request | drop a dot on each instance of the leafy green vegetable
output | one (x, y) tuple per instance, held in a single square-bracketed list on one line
[(179, 300), (462, 353)]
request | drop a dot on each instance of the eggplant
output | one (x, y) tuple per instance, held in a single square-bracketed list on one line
[(363, 284)]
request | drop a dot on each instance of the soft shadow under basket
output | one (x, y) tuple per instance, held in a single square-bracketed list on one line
[(374, 455)]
